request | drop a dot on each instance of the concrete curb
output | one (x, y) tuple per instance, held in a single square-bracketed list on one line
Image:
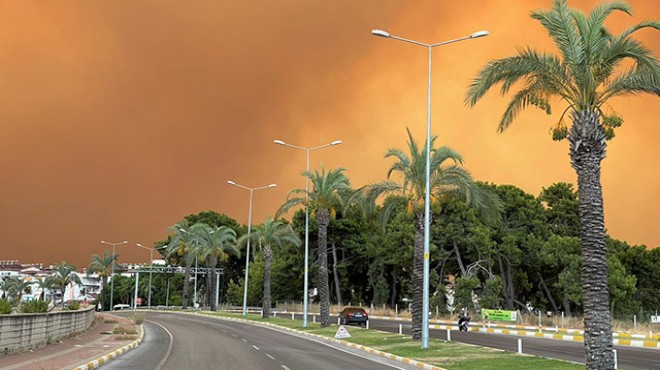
[(418, 364), (112, 355)]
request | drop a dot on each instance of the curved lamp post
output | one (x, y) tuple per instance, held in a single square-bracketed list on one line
[(112, 273), (151, 264), (427, 203), (247, 255), (307, 150)]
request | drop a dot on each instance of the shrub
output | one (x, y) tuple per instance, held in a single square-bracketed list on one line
[(138, 318), (34, 306), (5, 307), (73, 306)]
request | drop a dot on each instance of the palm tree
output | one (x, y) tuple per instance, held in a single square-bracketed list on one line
[(583, 76), (268, 235), (102, 266), (324, 198), (181, 246), (63, 275), (213, 246), (445, 180)]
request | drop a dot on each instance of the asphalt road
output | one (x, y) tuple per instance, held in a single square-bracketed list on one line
[(629, 358), (178, 341)]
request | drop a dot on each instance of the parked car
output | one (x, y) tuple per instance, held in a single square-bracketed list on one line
[(353, 315), (121, 307)]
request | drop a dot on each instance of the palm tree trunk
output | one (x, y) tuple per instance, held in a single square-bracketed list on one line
[(186, 283), (268, 257), (323, 220), (587, 150), (335, 273), (418, 277)]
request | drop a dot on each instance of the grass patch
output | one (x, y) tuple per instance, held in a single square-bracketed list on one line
[(449, 355), (126, 337), (110, 321)]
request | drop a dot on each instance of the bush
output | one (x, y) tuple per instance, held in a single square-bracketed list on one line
[(35, 306), (5, 307), (73, 306), (138, 318)]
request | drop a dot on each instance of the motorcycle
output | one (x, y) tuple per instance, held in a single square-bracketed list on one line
[(463, 324)]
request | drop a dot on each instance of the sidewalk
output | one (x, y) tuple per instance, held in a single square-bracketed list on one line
[(78, 350)]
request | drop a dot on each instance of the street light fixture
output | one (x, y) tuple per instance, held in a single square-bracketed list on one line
[(151, 265), (195, 294), (307, 150), (247, 255), (427, 202), (112, 273)]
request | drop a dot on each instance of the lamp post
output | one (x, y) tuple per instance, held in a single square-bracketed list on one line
[(247, 255), (112, 273), (427, 203), (307, 150), (151, 265), (195, 291)]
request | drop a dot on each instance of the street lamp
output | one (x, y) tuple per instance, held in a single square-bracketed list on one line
[(151, 265), (195, 295), (247, 255), (427, 203), (307, 150), (112, 273)]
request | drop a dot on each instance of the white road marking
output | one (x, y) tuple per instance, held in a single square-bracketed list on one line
[(244, 340), (225, 331), (169, 347), (270, 357), (285, 367), (234, 335), (255, 347)]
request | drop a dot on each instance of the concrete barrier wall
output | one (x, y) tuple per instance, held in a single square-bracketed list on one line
[(22, 332)]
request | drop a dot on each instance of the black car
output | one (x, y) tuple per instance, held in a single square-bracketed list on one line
[(353, 315)]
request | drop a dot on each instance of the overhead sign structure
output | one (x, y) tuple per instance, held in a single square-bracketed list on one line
[(342, 333), (499, 315)]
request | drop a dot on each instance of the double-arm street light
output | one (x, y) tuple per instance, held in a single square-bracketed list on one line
[(307, 150), (247, 254), (427, 203), (195, 294), (112, 273), (151, 264)]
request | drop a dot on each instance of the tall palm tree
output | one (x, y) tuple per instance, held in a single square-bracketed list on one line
[(102, 265), (180, 246), (63, 275), (213, 246), (324, 198), (446, 180), (268, 235), (583, 77)]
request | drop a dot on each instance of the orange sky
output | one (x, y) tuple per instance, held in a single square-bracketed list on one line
[(120, 117)]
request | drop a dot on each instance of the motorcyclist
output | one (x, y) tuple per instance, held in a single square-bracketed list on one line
[(463, 319)]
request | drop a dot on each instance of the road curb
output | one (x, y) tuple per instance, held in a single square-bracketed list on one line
[(418, 364), (112, 355)]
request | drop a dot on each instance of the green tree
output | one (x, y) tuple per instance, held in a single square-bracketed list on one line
[(268, 235), (215, 245), (446, 180), (324, 199), (103, 267), (584, 78), (181, 246), (63, 275)]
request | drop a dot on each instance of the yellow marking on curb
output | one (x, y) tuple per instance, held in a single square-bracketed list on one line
[(505, 331), (650, 344), (538, 334), (490, 331), (558, 336), (520, 332), (578, 338), (625, 342)]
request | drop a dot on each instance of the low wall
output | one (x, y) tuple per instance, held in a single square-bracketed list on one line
[(22, 332)]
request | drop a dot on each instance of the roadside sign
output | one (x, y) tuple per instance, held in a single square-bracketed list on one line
[(499, 315), (342, 333), (655, 319)]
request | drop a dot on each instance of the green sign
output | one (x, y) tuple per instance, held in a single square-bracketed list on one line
[(499, 315)]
